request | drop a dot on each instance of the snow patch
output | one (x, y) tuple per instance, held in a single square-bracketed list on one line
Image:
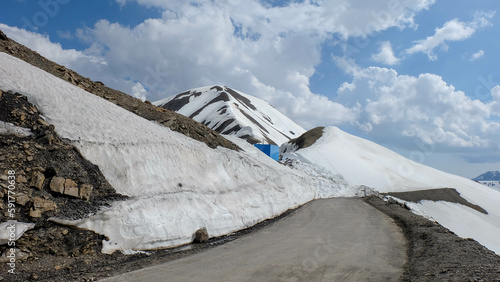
[(7, 128), (13, 230)]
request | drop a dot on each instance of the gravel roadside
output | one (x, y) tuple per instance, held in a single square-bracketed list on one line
[(437, 254)]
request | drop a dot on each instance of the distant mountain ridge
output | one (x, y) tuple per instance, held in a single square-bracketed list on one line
[(232, 112), (488, 176)]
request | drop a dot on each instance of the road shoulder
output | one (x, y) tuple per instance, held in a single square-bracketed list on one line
[(436, 253)]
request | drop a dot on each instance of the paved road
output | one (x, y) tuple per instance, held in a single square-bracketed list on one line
[(326, 240)]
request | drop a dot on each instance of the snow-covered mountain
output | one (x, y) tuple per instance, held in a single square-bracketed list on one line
[(231, 112), (488, 176), (489, 179), (362, 162)]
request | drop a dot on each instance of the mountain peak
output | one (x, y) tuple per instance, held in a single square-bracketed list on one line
[(232, 112), (488, 176)]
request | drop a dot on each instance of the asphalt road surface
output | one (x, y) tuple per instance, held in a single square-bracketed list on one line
[(326, 240)]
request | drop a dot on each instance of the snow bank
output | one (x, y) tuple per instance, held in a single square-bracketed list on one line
[(176, 184), (362, 162)]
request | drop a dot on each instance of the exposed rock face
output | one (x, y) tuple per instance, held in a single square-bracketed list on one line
[(308, 138), (3, 36), (37, 180), (71, 188), (57, 185), (40, 206), (85, 191), (201, 236)]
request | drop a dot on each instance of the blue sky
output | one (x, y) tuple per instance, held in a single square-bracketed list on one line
[(419, 77)]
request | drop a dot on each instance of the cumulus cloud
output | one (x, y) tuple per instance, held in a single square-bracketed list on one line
[(348, 18), (495, 104), (65, 34), (139, 92), (270, 52), (43, 45), (396, 108), (385, 55), (89, 62), (264, 50), (453, 30), (476, 55)]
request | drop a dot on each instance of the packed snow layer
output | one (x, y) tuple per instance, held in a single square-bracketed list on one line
[(176, 185), (362, 162), (215, 106), (12, 230)]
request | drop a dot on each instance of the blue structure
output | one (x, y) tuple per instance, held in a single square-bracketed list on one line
[(272, 151)]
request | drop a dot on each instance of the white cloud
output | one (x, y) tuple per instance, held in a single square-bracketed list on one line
[(139, 92), (476, 55), (43, 45), (88, 63), (348, 18), (65, 34), (385, 55), (269, 52), (495, 104), (397, 108), (453, 30)]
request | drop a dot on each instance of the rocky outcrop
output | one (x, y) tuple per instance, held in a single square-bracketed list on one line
[(57, 185), (37, 180), (201, 236), (40, 206), (69, 187), (3, 36)]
